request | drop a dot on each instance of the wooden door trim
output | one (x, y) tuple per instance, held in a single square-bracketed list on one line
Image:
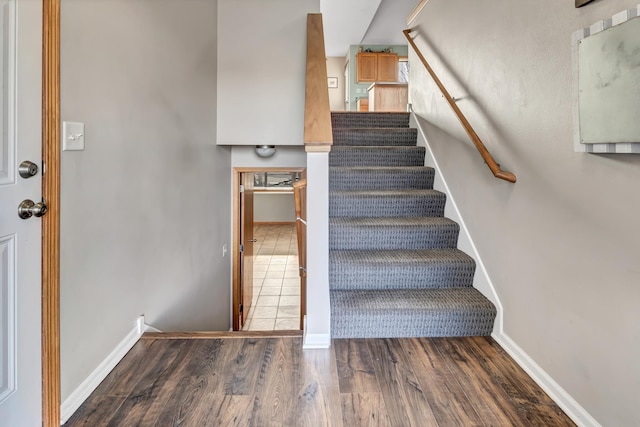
[(51, 221), (235, 247)]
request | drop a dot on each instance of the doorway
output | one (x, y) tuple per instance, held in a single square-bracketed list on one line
[(266, 275)]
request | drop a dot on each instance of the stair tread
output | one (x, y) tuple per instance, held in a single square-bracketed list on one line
[(393, 192), (377, 148), (407, 299), (377, 257), (393, 221), (390, 169)]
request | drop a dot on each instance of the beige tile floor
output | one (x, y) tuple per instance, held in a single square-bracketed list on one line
[(276, 280)]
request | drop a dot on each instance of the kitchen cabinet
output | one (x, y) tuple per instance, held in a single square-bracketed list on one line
[(388, 97), (376, 67), (363, 104)]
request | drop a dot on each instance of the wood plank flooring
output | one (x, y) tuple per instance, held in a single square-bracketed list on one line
[(271, 381)]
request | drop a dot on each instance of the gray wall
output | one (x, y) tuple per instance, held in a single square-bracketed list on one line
[(562, 244), (146, 207), (286, 156), (274, 207), (261, 71)]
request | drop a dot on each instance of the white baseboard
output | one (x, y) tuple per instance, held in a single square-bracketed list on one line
[(84, 390), (563, 399), (315, 341)]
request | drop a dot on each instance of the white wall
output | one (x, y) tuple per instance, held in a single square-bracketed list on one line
[(261, 71), (286, 156), (561, 245), (274, 207), (335, 68), (145, 208)]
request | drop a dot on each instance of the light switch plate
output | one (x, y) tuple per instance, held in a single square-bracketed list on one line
[(72, 136)]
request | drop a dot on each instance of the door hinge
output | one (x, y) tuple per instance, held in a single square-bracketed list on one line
[(241, 248), (241, 308), (241, 188)]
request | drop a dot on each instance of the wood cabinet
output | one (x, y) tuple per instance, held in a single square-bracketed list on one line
[(363, 104), (376, 67), (388, 97)]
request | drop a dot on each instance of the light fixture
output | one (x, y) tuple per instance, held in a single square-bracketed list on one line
[(265, 150)]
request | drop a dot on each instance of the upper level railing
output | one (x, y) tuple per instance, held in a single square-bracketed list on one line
[(484, 152), (317, 113)]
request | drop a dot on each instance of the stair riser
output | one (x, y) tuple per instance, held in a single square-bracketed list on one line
[(347, 205), (372, 179), (375, 137), (401, 324), (383, 238), (369, 120), (350, 276), (410, 313), (410, 156)]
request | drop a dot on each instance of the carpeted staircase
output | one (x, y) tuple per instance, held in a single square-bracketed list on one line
[(394, 270)]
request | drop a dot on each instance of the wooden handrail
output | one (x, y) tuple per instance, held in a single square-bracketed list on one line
[(318, 135), (486, 155), (300, 201)]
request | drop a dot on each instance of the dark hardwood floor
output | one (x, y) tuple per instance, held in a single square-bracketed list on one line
[(273, 382)]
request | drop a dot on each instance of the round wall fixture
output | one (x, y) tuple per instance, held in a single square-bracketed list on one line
[(265, 150)]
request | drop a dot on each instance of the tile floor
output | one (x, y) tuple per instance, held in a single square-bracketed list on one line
[(276, 280)]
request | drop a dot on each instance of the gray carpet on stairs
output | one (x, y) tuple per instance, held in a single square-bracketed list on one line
[(376, 156), (395, 270), (452, 312), (400, 269), (380, 178), (375, 136)]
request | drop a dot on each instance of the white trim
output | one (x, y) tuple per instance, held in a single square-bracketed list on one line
[(563, 399), (8, 176), (84, 390), (416, 11), (145, 327), (316, 341), (464, 231), (10, 341)]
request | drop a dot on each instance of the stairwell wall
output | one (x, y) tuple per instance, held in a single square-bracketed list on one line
[(145, 205), (261, 71), (561, 245)]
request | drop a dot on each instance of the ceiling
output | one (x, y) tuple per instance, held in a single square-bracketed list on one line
[(354, 22)]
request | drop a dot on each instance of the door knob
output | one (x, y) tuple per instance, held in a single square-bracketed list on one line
[(27, 208), (253, 240), (27, 169)]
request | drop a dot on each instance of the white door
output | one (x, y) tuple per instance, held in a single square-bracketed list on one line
[(20, 239)]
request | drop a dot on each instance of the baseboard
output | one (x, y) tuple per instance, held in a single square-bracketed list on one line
[(563, 399), (84, 390), (314, 341)]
